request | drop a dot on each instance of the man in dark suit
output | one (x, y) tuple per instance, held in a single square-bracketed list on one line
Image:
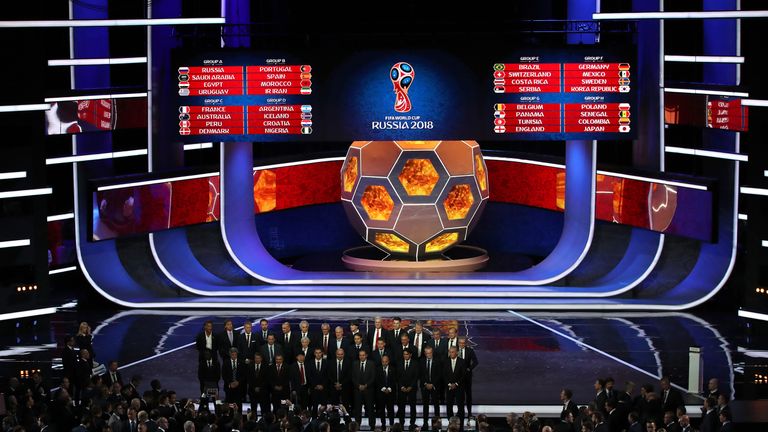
[(263, 332), (670, 398), (290, 341), (354, 329), (357, 346), (407, 386), (438, 344), (247, 343), (670, 422), (431, 374), (401, 347), (83, 372), (319, 381), (234, 374), (684, 422), (340, 342), (324, 340), (712, 388), (709, 418), (299, 381), (610, 391), (69, 358), (270, 350), (258, 384), (112, 375), (616, 420), (569, 406), (567, 424), (206, 340), (598, 419), (378, 333), (633, 419), (279, 382), (386, 390), (381, 350), (306, 348), (363, 377), (227, 340), (394, 334), (453, 339), (305, 332), (339, 376), (600, 395), (453, 377), (470, 360), (419, 339)]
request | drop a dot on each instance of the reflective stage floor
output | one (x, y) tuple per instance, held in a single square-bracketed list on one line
[(524, 359)]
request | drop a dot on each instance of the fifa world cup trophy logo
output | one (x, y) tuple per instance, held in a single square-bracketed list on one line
[(402, 76)]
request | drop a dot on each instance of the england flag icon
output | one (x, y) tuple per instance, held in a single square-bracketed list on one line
[(499, 129)]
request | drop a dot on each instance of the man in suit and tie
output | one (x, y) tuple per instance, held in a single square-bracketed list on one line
[(600, 396), (569, 406), (112, 375), (270, 350), (354, 329), (419, 339), (671, 399), (263, 332), (319, 382), (394, 334), (616, 420), (306, 348), (291, 343), (69, 358), (247, 343), (208, 372), (386, 390), (340, 342), (233, 373), (378, 333), (403, 346), (712, 388), (206, 340), (453, 338), (380, 351), (431, 374), (258, 384), (341, 385), (363, 377), (305, 332), (453, 376), (131, 423), (470, 360), (325, 339), (633, 419), (227, 340), (684, 422), (279, 382), (610, 392), (299, 381), (407, 386), (670, 422), (709, 418), (357, 346), (438, 344)]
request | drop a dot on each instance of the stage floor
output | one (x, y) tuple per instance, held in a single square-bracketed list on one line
[(524, 359)]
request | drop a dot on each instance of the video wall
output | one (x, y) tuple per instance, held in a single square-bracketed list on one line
[(416, 94)]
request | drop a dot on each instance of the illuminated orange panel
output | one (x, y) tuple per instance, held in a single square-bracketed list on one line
[(391, 242), (441, 242), (418, 145), (560, 191), (418, 177), (482, 180), (377, 203), (458, 202), (350, 174), (265, 191)]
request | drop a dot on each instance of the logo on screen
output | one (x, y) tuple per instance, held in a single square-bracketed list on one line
[(402, 75)]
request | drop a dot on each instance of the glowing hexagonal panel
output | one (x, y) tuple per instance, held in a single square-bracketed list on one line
[(458, 202), (442, 242), (456, 156), (350, 174), (377, 202), (418, 177), (391, 242), (418, 145), (482, 179), (265, 191)]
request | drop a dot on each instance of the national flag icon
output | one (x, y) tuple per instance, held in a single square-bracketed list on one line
[(306, 83), (499, 129), (623, 81), (624, 89), (624, 106), (306, 90), (498, 81), (183, 70), (305, 76), (184, 77), (306, 123), (183, 85), (184, 124), (500, 122), (498, 74), (624, 120), (624, 73), (306, 130), (183, 109), (499, 106), (305, 68), (498, 66), (499, 114), (184, 131), (498, 89), (306, 116), (183, 116), (183, 92), (623, 113), (624, 128), (306, 108), (623, 66)]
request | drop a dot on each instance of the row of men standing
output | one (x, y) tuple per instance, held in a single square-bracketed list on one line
[(373, 372)]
